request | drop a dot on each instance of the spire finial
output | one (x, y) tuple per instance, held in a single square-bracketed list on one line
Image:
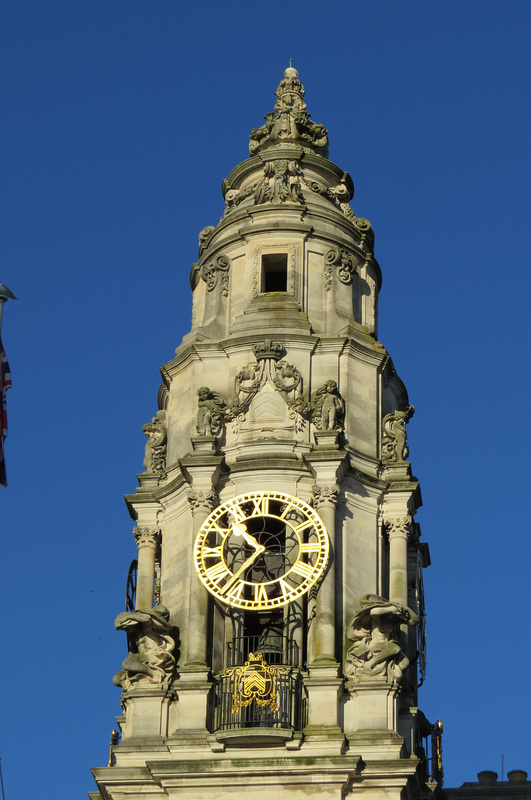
[(290, 122)]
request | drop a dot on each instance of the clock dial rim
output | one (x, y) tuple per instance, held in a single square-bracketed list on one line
[(230, 592)]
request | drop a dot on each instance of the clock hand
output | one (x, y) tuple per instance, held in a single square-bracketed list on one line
[(239, 530), (246, 564)]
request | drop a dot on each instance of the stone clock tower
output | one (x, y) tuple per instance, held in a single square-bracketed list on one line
[(274, 617)]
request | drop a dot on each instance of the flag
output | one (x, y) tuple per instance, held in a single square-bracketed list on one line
[(5, 384)]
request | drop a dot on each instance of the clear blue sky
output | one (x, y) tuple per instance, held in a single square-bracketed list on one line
[(121, 118)]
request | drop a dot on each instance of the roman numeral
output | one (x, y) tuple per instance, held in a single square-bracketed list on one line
[(286, 511), (301, 568), (236, 512), (302, 527), (310, 547), (236, 591), (212, 552), (285, 588), (215, 528), (260, 594), (216, 572), (261, 506)]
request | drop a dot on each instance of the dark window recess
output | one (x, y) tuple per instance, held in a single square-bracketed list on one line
[(275, 272)]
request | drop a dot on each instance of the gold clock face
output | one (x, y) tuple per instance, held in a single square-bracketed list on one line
[(261, 550)]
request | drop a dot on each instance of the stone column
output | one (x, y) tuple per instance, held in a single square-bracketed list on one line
[(201, 506), (147, 540), (322, 642), (399, 530)]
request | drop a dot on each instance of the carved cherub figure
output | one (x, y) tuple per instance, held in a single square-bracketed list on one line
[(329, 407), (210, 412)]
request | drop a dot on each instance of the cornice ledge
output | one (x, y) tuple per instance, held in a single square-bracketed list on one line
[(359, 338), (283, 225), (356, 471)]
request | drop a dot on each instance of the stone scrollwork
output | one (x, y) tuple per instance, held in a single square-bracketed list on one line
[(345, 262), (328, 408), (394, 435), (150, 660), (155, 452), (211, 409), (374, 630), (214, 271), (204, 236)]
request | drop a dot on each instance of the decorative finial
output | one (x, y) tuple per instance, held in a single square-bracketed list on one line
[(290, 123)]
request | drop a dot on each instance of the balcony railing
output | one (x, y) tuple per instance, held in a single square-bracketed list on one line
[(284, 707)]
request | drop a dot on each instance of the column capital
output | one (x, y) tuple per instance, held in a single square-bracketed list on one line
[(147, 537), (199, 501), (398, 526), (325, 496)]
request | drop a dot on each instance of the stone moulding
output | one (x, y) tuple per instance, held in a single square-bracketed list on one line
[(280, 247)]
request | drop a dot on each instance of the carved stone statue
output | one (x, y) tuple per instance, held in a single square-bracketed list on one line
[(210, 412), (155, 453), (394, 435), (150, 659), (328, 408), (375, 653)]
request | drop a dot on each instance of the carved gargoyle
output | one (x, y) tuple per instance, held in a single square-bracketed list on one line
[(328, 408), (155, 453), (211, 409), (394, 435), (376, 653), (150, 659)]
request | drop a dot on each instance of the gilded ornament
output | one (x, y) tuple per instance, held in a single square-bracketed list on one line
[(261, 550)]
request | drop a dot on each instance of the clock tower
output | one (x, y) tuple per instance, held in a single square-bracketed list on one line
[(274, 613)]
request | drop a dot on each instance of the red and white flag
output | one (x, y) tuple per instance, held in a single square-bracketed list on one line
[(5, 384)]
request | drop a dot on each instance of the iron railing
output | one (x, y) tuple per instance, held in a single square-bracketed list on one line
[(290, 706)]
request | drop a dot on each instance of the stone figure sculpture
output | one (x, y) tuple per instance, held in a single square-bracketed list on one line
[(328, 408), (376, 653), (150, 659), (155, 452), (210, 412), (394, 435)]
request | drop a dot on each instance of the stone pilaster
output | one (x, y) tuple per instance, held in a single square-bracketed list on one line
[(322, 632), (201, 505)]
